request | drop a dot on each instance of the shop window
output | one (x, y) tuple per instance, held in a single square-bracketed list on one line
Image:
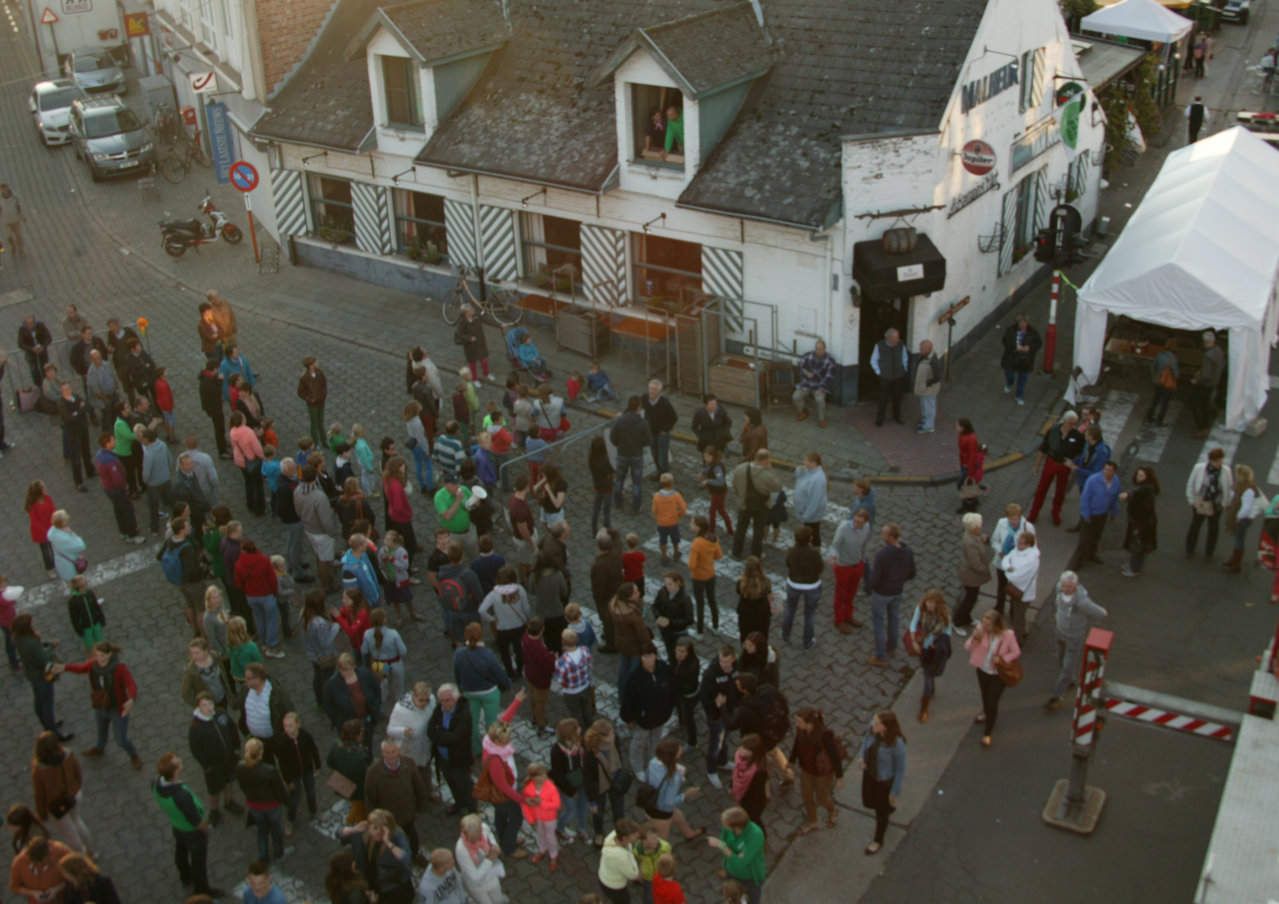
[(553, 252), (419, 226), (657, 125), (331, 209), (1024, 218), (403, 100), (668, 273)]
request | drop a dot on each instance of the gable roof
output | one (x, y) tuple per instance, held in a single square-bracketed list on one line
[(703, 52), (436, 31)]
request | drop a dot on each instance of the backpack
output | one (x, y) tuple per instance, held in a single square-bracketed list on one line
[(775, 719), (452, 596), (171, 562)]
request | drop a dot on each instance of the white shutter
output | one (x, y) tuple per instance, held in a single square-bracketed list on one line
[(459, 228), (497, 243), (604, 264), (1007, 231), (1043, 201)]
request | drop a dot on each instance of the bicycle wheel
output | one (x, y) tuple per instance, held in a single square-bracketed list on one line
[(173, 169), (452, 307), (504, 307)]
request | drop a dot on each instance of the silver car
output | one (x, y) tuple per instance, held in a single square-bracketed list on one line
[(50, 105), (95, 70), (110, 138)]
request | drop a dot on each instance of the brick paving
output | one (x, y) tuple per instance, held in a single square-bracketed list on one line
[(96, 245)]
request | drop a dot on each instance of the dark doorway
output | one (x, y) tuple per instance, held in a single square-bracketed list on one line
[(877, 318)]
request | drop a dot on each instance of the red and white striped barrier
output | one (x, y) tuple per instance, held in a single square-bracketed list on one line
[(1083, 729), (1152, 716)]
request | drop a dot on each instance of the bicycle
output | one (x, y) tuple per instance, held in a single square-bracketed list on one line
[(178, 162), (502, 305)]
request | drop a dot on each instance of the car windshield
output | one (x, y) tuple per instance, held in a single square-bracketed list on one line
[(59, 99), (110, 122), (93, 62)]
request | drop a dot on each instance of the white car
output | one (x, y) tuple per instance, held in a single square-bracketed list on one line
[(50, 105), (95, 70)]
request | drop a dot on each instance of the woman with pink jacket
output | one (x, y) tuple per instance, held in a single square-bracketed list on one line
[(992, 641), (246, 449)]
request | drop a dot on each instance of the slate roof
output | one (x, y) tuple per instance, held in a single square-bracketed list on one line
[(441, 29), (326, 103), (702, 52), (838, 68)]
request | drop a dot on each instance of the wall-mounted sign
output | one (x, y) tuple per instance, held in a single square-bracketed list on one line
[(1071, 102), (909, 272), (978, 157), (76, 7), (221, 140), (204, 82), (136, 25), (985, 186), (1066, 92), (983, 89)]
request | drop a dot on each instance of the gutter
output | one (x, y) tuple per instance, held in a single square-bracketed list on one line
[(451, 169), (789, 224)]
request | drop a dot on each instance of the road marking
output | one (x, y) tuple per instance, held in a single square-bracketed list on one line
[(1152, 449), (1273, 477), (110, 570), (1226, 440), (1115, 411)]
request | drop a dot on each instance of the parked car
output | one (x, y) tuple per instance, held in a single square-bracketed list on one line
[(1236, 11), (95, 70), (110, 138), (50, 105)]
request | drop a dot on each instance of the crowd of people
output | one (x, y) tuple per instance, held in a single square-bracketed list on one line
[(497, 567)]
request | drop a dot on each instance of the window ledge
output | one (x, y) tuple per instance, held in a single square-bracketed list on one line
[(403, 131), (656, 169)]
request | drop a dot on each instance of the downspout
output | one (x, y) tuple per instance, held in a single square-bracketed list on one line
[(253, 44), (475, 229)]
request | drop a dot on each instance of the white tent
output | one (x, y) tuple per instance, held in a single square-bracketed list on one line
[(1143, 19), (1200, 252)]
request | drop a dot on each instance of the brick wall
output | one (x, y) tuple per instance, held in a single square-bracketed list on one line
[(287, 29)]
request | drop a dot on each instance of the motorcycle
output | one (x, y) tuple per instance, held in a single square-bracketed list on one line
[(176, 236)]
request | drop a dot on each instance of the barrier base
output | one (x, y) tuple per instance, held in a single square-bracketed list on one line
[(1080, 818)]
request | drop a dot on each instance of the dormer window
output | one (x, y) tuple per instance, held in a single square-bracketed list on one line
[(403, 97), (658, 128)]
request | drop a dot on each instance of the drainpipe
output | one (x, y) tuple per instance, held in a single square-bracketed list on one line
[(475, 228)]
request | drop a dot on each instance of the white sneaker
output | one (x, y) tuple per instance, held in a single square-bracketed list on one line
[(1021, 401), (491, 378), (1007, 389), (714, 782), (693, 634), (476, 383)]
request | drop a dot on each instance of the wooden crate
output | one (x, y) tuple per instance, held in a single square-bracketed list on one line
[(585, 332), (734, 379)]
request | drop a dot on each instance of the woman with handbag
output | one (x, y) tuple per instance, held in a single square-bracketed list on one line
[(319, 635), (929, 624), (496, 785), (419, 444), (1003, 541), (1207, 490), (265, 795), (113, 693), (1141, 537), (820, 755), (665, 791), (56, 782), (603, 775), (1247, 504), (349, 759), (68, 546), (974, 570), (246, 451), (994, 653), (882, 759), (1021, 567), (39, 668), (40, 509)]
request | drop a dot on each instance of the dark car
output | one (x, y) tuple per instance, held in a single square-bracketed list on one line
[(110, 138), (1235, 11)]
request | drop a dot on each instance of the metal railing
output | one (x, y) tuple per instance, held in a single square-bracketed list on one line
[(554, 448)]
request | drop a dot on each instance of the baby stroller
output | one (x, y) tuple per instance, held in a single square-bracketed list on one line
[(539, 371)]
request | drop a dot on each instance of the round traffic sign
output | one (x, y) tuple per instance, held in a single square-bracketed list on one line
[(244, 175), (978, 157)]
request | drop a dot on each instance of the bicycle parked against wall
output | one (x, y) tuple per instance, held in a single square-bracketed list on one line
[(501, 306)]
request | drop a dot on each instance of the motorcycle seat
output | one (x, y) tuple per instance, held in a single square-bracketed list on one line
[(182, 225)]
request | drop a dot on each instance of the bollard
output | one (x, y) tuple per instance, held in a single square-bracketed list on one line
[(1074, 805), (1050, 334)]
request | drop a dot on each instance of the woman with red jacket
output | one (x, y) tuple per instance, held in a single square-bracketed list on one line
[(353, 618), (498, 762), (255, 578), (971, 459), (39, 508), (112, 692), (399, 514)]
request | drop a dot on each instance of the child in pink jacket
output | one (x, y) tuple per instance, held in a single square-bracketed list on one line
[(541, 809)]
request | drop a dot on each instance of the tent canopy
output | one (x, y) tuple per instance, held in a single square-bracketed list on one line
[(1145, 20), (1200, 252)]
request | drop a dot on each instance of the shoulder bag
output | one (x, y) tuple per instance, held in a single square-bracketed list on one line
[(1010, 673), (80, 563), (485, 790)]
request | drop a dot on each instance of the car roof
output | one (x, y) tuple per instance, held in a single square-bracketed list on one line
[(55, 84), (92, 104)]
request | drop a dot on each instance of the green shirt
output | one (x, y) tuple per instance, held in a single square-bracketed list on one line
[(123, 438), (675, 134), (460, 523), (241, 656), (34, 656), (213, 546), (746, 857)]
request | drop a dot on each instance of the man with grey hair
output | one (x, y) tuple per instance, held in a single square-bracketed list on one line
[(1203, 387), (890, 362), (1060, 445), (205, 471), (816, 379), (285, 483), (101, 387), (393, 783), (661, 417), (925, 383), (449, 729), (1076, 613), (186, 488)]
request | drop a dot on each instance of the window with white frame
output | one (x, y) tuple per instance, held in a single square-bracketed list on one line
[(207, 33), (400, 87), (331, 206), (552, 251), (419, 226)]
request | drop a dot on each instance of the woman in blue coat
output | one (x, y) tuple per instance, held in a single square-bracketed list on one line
[(882, 759)]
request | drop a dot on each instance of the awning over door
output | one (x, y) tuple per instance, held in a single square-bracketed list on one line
[(883, 276)]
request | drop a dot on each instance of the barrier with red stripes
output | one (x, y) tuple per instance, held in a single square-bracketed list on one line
[(1176, 721), (1083, 731)]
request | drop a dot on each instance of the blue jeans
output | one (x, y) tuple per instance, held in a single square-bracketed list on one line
[(304, 782), (662, 452), (604, 503), (266, 617), (716, 746), (576, 805), (43, 693), (1021, 376), (1241, 532), (270, 825), (626, 665), (812, 597), (109, 717), (606, 392), (636, 468), (422, 462), (881, 607), (927, 411)]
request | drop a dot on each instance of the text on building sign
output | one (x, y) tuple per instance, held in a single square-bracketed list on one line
[(983, 89)]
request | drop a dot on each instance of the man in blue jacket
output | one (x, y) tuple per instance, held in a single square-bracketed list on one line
[(1089, 462), (1099, 500)]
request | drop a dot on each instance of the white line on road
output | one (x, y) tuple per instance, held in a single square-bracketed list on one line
[(1226, 440), (110, 570), (1153, 449)]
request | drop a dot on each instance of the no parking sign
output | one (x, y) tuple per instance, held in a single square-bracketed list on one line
[(244, 176)]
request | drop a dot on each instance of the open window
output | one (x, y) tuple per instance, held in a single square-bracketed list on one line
[(553, 252), (668, 272), (657, 126), (331, 209), (403, 97), (419, 226)]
